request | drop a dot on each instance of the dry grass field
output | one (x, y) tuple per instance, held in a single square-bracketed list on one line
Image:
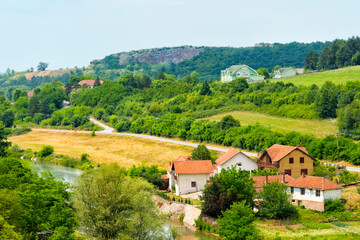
[(122, 150)]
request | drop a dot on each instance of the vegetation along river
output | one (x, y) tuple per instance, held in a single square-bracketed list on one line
[(70, 174)]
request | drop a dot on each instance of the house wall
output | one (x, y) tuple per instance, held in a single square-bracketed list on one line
[(171, 179), (296, 166), (246, 163), (332, 194), (183, 183), (288, 73)]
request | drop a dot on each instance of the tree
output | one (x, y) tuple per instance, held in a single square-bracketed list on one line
[(229, 121), (7, 117), (349, 118), (275, 68), (201, 153), (276, 201), (97, 82), (3, 143), (225, 188), (239, 84), (236, 223), (327, 100), (311, 60), (112, 205), (355, 60), (346, 177), (46, 151), (42, 66), (205, 89), (264, 72)]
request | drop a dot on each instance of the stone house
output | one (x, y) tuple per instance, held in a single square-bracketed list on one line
[(237, 71), (189, 176), (291, 160), (311, 192), (235, 158)]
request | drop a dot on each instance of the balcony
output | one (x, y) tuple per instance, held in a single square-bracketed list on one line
[(267, 165)]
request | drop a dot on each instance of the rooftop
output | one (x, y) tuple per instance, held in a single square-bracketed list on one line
[(277, 152), (196, 166), (312, 182)]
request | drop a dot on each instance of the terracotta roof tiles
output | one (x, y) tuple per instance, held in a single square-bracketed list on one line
[(277, 152), (312, 182), (261, 180), (201, 166)]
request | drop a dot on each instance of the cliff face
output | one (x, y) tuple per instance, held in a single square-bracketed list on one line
[(156, 55)]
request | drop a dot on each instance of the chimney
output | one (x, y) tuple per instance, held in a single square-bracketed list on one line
[(336, 181), (169, 163), (266, 179), (323, 184), (299, 145), (283, 178), (188, 158)]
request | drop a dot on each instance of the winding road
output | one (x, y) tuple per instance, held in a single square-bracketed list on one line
[(110, 131)]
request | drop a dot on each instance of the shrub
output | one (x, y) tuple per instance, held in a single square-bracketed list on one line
[(334, 205), (93, 133), (181, 217), (46, 151)]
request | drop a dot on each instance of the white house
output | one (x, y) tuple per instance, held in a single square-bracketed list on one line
[(237, 71), (285, 72), (311, 192), (189, 176), (235, 158)]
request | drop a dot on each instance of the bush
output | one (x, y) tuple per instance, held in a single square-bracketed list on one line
[(46, 151), (203, 226), (334, 205), (181, 218), (93, 133)]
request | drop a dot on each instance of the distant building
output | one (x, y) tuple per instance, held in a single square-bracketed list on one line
[(285, 72), (311, 192), (260, 181), (89, 83), (237, 71), (235, 158), (30, 94), (291, 160)]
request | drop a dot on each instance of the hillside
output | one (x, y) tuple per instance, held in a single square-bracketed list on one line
[(338, 76), (208, 61)]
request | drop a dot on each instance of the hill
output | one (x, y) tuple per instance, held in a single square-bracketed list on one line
[(207, 61)]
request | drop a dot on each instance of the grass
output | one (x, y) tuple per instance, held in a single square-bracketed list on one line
[(123, 150), (338, 76), (320, 128)]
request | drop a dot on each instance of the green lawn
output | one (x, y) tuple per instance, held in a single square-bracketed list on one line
[(319, 128), (338, 76)]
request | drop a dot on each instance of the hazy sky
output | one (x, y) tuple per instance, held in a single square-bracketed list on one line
[(67, 33)]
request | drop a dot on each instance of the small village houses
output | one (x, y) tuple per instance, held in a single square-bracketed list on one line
[(311, 192), (237, 71), (291, 160), (89, 83), (285, 72), (260, 181), (235, 158)]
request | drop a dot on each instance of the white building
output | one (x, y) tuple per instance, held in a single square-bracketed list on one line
[(235, 158), (189, 176), (311, 192), (237, 71)]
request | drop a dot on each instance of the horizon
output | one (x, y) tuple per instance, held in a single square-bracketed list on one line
[(68, 33)]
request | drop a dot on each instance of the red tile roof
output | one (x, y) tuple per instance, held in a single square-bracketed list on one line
[(164, 176), (313, 182), (277, 152), (196, 166), (89, 82), (228, 155), (261, 180), (180, 158), (31, 93)]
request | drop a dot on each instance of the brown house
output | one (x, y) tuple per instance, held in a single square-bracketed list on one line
[(290, 160)]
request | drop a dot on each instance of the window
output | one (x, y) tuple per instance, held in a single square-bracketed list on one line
[(239, 164), (288, 172), (193, 184), (292, 190), (302, 160), (304, 171), (317, 193), (291, 160), (302, 191)]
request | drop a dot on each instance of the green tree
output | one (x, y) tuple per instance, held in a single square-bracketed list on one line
[(201, 152), (205, 89), (311, 60), (236, 223), (327, 100), (225, 188), (276, 201), (355, 60), (275, 68), (4, 145), (264, 72), (7, 231), (42, 66), (229, 121), (7, 117), (112, 205), (239, 84), (46, 151), (346, 177)]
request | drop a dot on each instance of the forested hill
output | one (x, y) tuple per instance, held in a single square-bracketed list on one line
[(208, 61)]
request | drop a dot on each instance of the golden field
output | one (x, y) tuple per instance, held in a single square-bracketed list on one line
[(123, 150)]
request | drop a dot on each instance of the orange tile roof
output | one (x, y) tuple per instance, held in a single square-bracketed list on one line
[(277, 152), (201, 166), (89, 82), (261, 180), (180, 158), (31, 93), (164, 176), (228, 155), (313, 182)]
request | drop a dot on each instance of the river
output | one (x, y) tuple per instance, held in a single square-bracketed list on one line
[(71, 174)]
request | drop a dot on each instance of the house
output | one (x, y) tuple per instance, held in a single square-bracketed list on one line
[(30, 94), (260, 181), (290, 160), (235, 158), (89, 83), (237, 71), (311, 192), (285, 72), (189, 176)]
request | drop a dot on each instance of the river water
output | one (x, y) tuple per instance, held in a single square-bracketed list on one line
[(71, 174)]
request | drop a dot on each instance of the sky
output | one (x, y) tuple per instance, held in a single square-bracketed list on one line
[(68, 33)]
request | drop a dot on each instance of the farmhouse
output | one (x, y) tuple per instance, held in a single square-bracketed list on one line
[(237, 71), (260, 181), (235, 158), (89, 83), (290, 160), (311, 192), (285, 72), (189, 176)]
